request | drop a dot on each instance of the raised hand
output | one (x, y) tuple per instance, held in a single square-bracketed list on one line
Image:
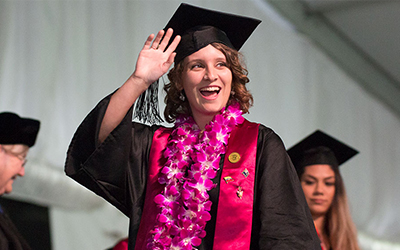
[(154, 61), (156, 58)]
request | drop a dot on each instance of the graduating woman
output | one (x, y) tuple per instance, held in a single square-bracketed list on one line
[(317, 159), (212, 181)]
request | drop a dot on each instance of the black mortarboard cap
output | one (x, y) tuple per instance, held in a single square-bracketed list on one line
[(17, 130), (199, 27), (320, 148)]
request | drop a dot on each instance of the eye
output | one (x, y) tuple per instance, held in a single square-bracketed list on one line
[(308, 182), (329, 184), (196, 66), (221, 64)]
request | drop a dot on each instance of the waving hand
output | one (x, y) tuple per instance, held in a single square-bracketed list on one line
[(155, 58)]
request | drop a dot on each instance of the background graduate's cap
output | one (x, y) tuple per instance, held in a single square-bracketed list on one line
[(198, 27), (17, 130), (320, 148)]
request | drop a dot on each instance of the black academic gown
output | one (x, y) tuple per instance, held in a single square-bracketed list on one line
[(10, 238), (117, 171)]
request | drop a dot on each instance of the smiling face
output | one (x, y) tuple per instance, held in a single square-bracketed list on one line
[(318, 183), (12, 158), (207, 83)]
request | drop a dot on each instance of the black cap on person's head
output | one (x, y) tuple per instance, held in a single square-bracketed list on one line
[(199, 27), (320, 148), (17, 130)]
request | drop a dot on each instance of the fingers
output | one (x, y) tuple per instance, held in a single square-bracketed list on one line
[(166, 39), (161, 42), (157, 40), (148, 42), (174, 44), (171, 59)]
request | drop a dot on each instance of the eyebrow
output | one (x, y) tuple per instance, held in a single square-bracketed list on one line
[(222, 58), (315, 178)]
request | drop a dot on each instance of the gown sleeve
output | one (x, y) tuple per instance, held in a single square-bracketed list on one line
[(283, 220), (115, 169)]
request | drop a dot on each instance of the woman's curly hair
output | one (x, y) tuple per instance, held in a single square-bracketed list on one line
[(175, 106)]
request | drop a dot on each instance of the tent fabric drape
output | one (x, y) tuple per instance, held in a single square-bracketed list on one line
[(59, 58)]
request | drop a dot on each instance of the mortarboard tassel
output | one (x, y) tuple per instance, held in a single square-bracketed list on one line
[(146, 108)]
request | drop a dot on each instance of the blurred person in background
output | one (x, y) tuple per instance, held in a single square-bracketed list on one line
[(317, 159), (17, 135)]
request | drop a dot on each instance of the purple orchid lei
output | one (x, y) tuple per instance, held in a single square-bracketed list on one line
[(193, 161)]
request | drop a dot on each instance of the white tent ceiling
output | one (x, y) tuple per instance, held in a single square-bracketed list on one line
[(362, 36)]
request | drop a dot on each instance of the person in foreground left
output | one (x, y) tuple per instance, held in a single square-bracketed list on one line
[(17, 135)]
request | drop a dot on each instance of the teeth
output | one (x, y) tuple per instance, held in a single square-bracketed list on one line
[(210, 89)]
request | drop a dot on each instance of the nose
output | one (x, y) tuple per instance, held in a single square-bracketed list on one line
[(319, 189), (21, 171), (210, 74)]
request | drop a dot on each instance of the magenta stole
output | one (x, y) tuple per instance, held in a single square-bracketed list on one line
[(234, 215)]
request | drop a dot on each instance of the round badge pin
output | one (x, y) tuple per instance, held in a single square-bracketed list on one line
[(234, 157)]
